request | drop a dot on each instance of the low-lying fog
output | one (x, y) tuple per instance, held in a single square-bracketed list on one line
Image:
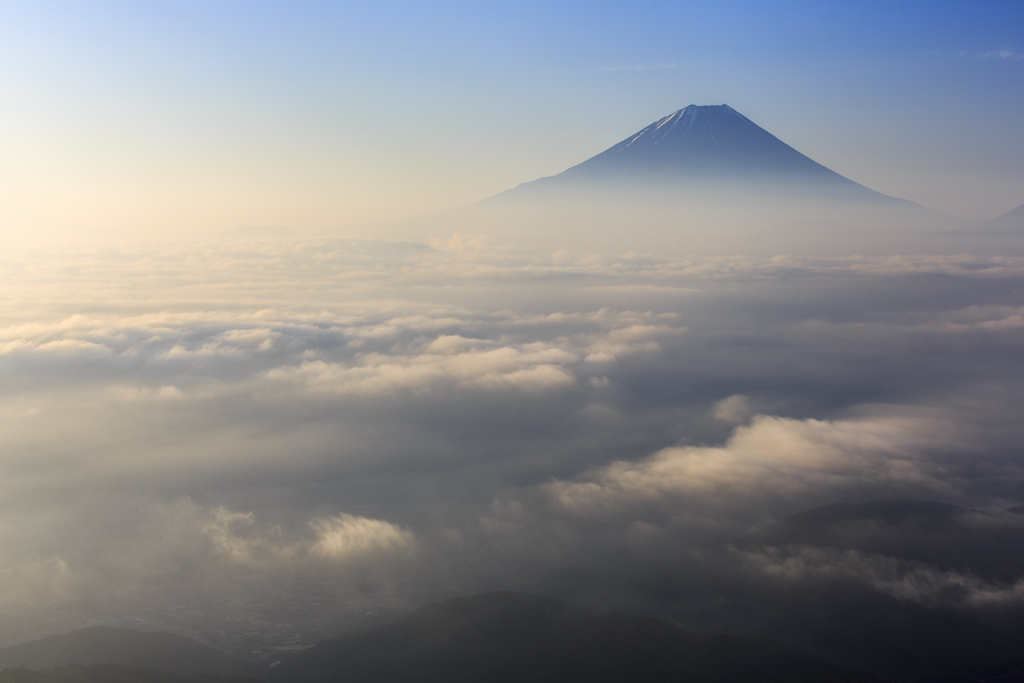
[(266, 441)]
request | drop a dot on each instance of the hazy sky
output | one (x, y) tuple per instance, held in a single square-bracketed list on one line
[(177, 117)]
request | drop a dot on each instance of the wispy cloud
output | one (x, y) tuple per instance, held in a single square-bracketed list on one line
[(1004, 54)]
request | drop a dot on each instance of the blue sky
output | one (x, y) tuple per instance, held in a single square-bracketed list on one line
[(150, 115)]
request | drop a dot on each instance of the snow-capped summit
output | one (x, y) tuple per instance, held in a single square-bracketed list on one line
[(703, 140), (702, 144)]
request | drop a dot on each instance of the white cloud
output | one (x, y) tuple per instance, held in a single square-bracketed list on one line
[(1004, 54), (213, 535), (348, 536), (771, 456), (286, 384), (733, 409), (531, 368), (901, 579)]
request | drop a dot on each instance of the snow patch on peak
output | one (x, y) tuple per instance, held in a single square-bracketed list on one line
[(656, 132)]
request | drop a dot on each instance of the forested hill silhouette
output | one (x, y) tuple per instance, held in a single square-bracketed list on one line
[(512, 637)]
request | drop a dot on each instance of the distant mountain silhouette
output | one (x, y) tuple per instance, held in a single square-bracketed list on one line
[(127, 647), (949, 537), (1011, 222), (703, 146), (107, 673), (512, 637)]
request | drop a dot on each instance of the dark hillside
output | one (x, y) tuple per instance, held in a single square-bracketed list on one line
[(107, 645), (512, 637), (107, 673)]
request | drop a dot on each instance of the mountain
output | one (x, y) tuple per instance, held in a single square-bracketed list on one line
[(511, 637), (107, 673), (703, 146), (915, 590), (705, 181), (968, 562), (127, 647), (1011, 222)]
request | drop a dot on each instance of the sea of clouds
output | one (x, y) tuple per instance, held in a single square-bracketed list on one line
[(266, 441)]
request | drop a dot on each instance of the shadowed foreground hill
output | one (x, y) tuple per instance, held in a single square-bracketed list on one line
[(124, 646), (513, 637), (107, 673), (916, 590)]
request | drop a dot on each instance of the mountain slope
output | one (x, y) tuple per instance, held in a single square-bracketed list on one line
[(107, 645), (107, 673), (514, 637), (1011, 222), (704, 147), (916, 590)]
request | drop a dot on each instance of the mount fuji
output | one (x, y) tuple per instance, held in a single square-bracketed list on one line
[(708, 180), (707, 148)]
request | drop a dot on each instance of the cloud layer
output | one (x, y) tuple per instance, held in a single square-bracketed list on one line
[(229, 432)]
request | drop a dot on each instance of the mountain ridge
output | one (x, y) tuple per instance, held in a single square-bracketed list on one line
[(96, 645), (512, 637), (1011, 222)]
